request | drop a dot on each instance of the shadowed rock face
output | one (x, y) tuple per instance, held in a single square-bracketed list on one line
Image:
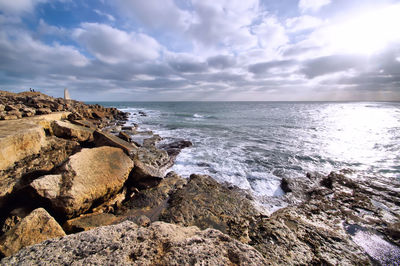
[(205, 203), (34, 228), (129, 244)]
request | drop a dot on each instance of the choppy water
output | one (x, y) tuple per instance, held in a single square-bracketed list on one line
[(255, 144)]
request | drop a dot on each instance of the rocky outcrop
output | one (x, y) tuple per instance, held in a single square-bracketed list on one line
[(70, 131), (129, 244), (29, 104), (34, 228), (205, 203), (90, 176)]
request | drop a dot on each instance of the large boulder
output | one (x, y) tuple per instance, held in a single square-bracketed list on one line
[(67, 130), (129, 244), (89, 177), (19, 139), (34, 228), (205, 203)]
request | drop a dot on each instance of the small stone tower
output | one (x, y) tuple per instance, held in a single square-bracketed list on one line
[(66, 94)]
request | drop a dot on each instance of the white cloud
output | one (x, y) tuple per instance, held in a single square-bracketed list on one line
[(271, 34), (224, 24), (302, 23), (108, 16), (19, 6), (112, 45), (155, 14), (312, 5)]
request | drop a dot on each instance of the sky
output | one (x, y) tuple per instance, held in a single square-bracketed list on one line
[(202, 50)]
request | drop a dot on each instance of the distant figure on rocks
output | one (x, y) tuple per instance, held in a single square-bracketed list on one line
[(66, 94)]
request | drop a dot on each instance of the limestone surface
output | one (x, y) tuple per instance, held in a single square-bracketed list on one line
[(89, 176), (34, 228), (128, 244)]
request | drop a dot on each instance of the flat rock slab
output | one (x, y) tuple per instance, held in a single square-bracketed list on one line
[(129, 244), (89, 176), (71, 131), (106, 139), (34, 228)]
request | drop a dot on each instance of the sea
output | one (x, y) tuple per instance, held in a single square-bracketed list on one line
[(253, 145)]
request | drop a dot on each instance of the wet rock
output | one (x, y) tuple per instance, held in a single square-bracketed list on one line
[(129, 244), (150, 166), (105, 139), (88, 177), (89, 221), (70, 131), (34, 228), (152, 141), (205, 203), (174, 148)]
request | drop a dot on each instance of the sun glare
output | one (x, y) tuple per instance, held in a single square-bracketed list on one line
[(366, 33)]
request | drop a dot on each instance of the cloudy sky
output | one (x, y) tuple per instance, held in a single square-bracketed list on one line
[(173, 50)]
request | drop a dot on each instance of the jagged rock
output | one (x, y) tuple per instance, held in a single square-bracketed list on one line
[(129, 244), (70, 131), (174, 148), (124, 136), (205, 203), (34, 228), (43, 111), (297, 235), (105, 139), (152, 141), (14, 217), (152, 201), (89, 176), (52, 154), (150, 166), (89, 221)]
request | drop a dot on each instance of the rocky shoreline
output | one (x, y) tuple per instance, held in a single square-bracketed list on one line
[(68, 167)]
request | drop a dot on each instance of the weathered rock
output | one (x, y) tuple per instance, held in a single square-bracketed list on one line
[(88, 177), (124, 136), (152, 141), (34, 228), (70, 131), (54, 153), (152, 201), (129, 244), (84, 123), (205, 203), (296, 235), (174, 148), (18, 140), (105, 139), (89, 221), (150, 166)]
